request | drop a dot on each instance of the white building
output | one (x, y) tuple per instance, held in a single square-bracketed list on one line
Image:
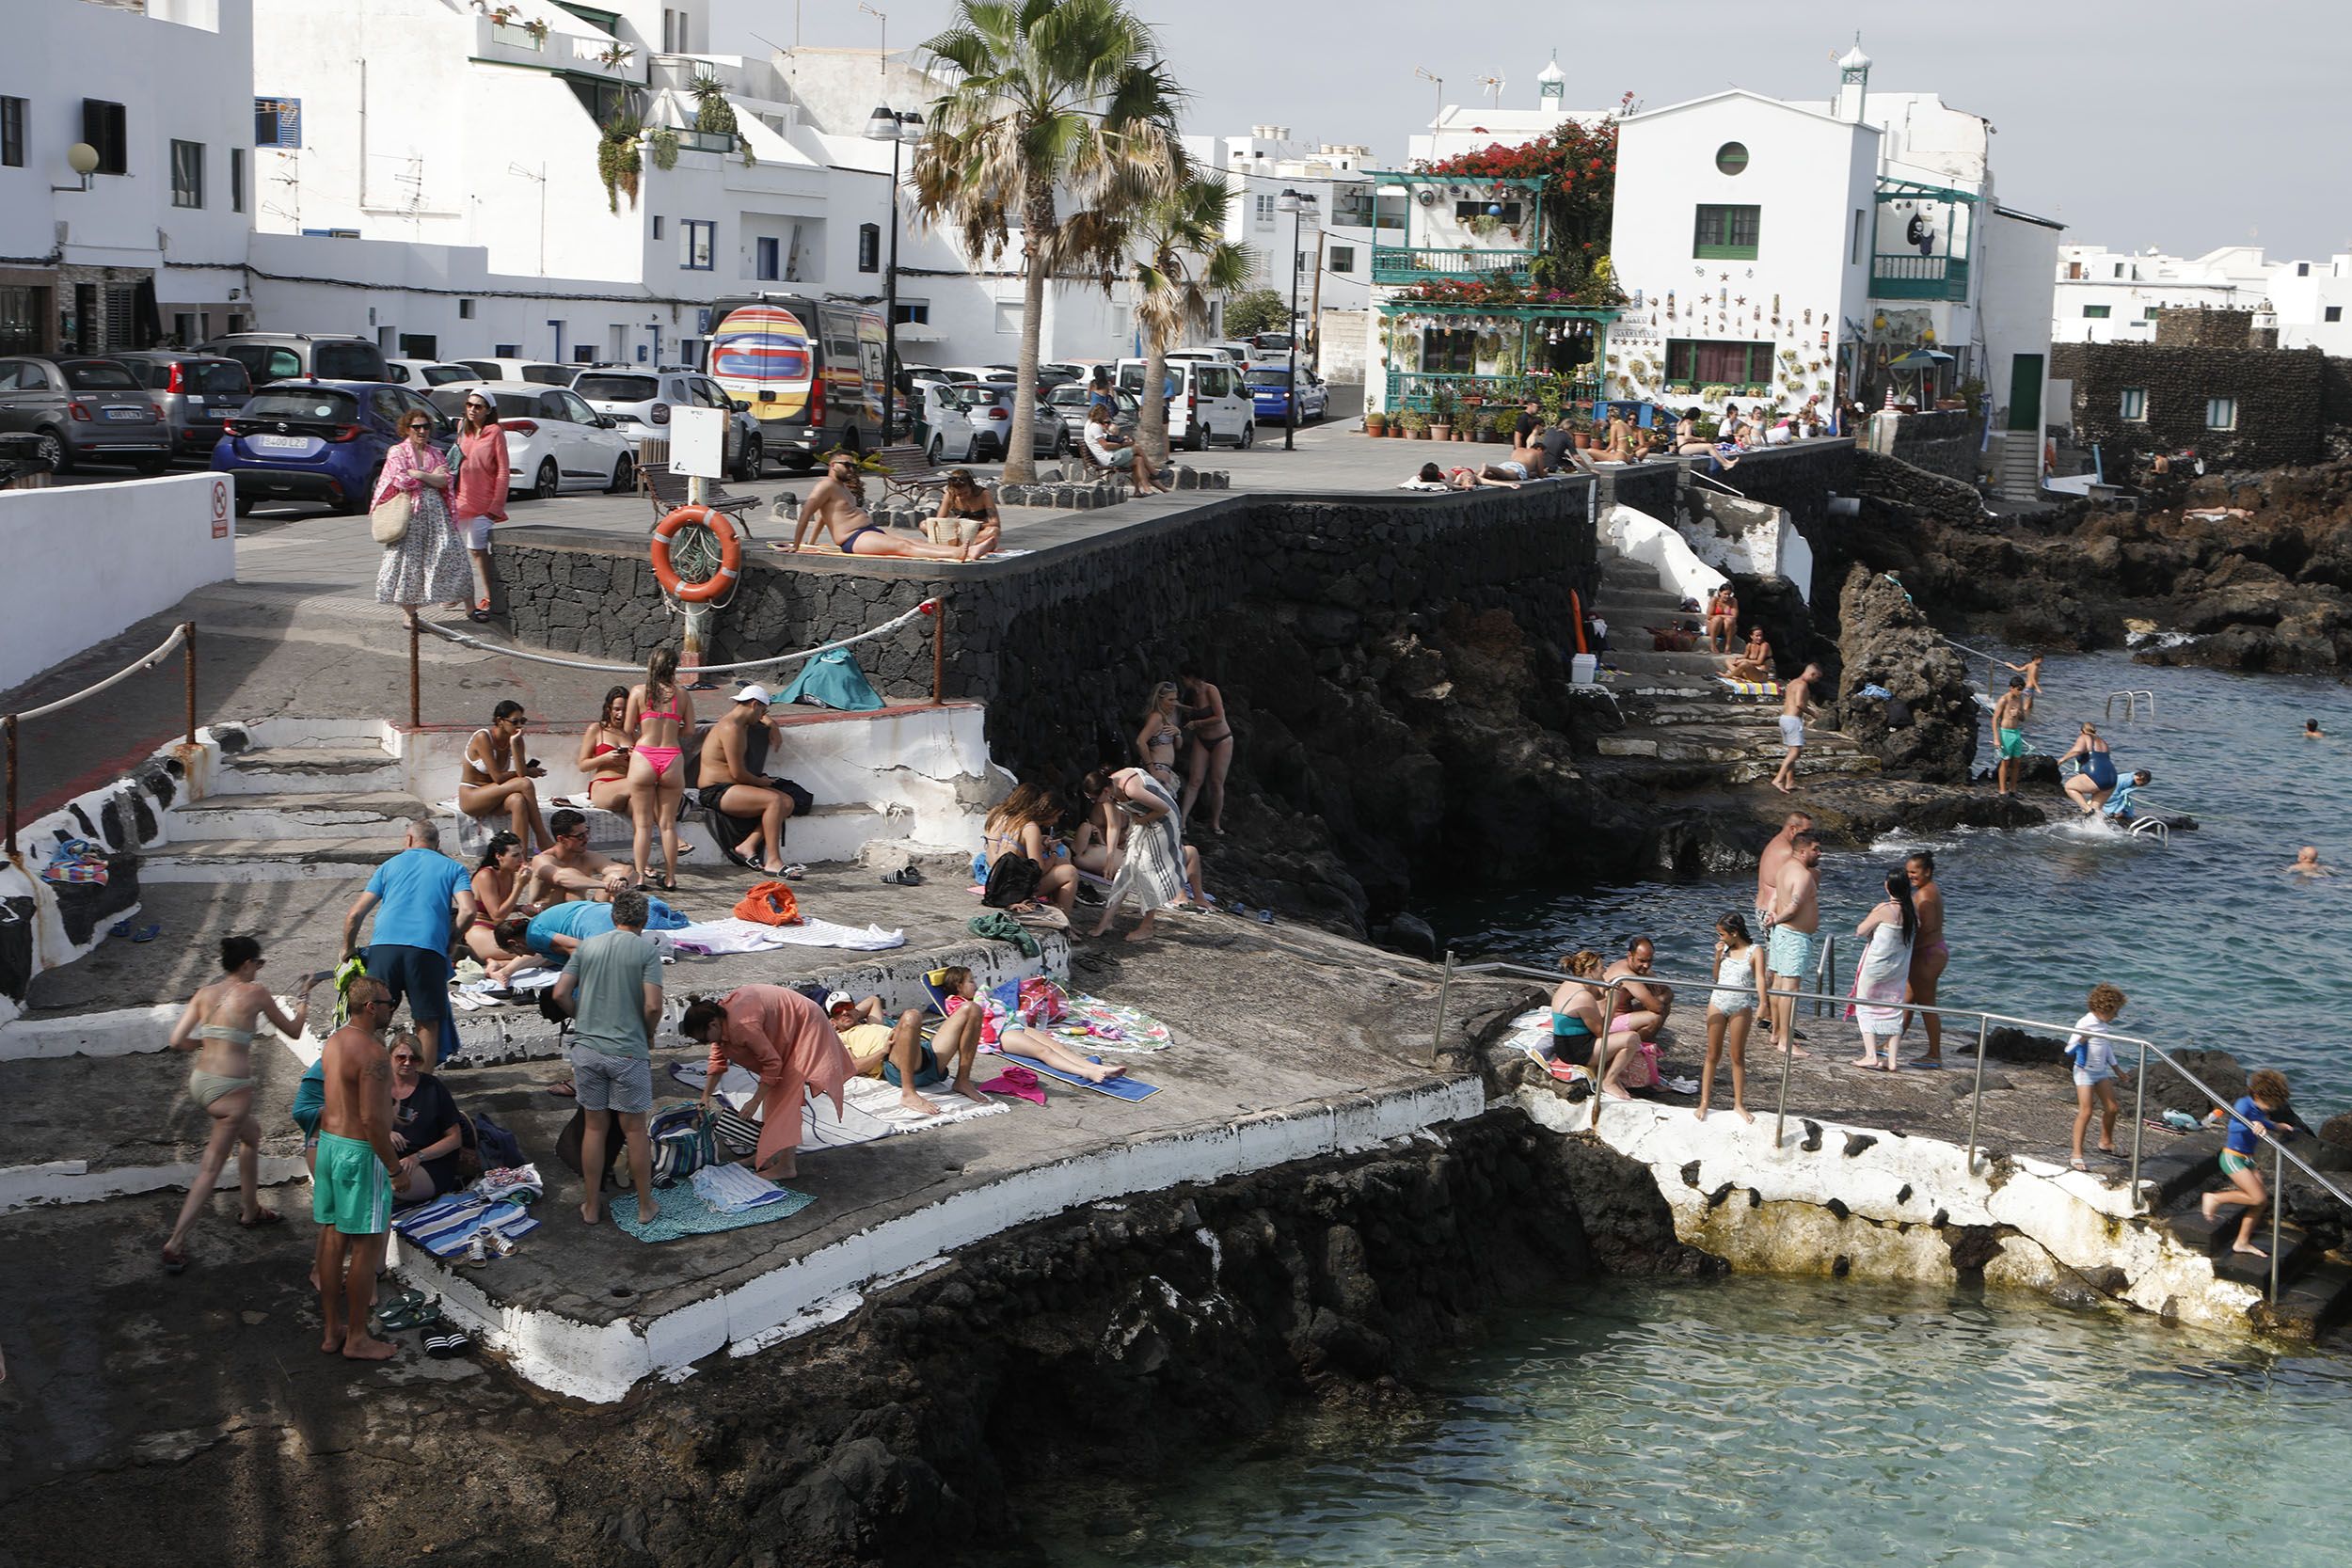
[(2110, 297), (2313, 301), (1806, 250), (152, 242), (1459, 128)]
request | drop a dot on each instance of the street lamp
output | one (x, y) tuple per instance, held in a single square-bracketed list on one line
[(1298, 204), (886, 125)]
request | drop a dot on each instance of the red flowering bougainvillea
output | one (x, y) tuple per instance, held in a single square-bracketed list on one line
[(1579, 162)]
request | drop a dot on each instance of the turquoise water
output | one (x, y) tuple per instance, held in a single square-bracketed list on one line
[(1758, 1421), (2035, 918)]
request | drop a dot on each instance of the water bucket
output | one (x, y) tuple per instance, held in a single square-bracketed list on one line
[(1584, 669)]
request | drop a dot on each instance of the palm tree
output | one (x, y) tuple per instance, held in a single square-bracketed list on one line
[(1047, 97), (1182, 258)]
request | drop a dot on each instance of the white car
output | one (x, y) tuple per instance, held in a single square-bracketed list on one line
[(554, 441), (640, 400), (424, 374), (943, 423), (539, 373)]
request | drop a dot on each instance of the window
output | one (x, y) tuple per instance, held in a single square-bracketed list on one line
[(914, 311), (700, 239), (277, 123), (184, 329), (1725, 233), (2133, 402), (187, 174), (767, 257), (12, 132), (419, 345), (1266, 209), (1008, 314), (657, 226), (1342, 258), (23, 312), (2332, 313), (2150, 313), (103, 128), (2094, 312), (464, 309), (1731, 158), (2222, 413), (1694, 362), (869, 248), (236, 179), (2119, 269), (1861, 236), (506, 351), (2302, 269), (1448, 351)]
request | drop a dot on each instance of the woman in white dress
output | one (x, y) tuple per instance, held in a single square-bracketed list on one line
[(428, 565), (1885, 971)]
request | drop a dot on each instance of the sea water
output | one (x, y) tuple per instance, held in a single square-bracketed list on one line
[(1761, 1421), (2213, 941)]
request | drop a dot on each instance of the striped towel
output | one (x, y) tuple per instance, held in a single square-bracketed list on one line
[(733, 1190), (444, 1227), (1751, 688)]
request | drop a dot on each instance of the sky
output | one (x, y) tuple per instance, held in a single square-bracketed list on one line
[(2157, 123)]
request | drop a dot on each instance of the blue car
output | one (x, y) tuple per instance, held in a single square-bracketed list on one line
[(1269, 391), (320, 441)]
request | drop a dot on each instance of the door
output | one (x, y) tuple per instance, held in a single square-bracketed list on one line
[(2024, 393)]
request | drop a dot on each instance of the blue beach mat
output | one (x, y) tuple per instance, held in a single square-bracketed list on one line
[(1117, 1089), (684, 1214)]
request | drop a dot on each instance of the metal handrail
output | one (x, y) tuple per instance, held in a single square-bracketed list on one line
[(183, 636), (2131, 703), (1985, 1020)]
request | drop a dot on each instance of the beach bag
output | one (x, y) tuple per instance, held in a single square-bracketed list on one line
[(388, 521), (1011, 879), (498, 1146), (77, 860), (769, 904), (1042, 1002), (1649, 1067), (834, 680), (682, 1142)]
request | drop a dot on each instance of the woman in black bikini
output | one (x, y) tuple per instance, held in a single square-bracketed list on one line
[(604, 753), (1155, 743), (964, 501), (1212, 747)]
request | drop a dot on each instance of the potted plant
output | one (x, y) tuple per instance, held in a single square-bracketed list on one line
[(537, 28), (1375, 424), (618, 163), (503, 17), (1416, 425), (1442, 415), (662, 142)]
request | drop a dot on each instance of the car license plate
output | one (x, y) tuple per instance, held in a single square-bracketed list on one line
[(124, 414), (283, 443)]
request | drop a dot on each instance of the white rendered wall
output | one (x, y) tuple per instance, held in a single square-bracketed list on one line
[(156, 537), (2016, 279)]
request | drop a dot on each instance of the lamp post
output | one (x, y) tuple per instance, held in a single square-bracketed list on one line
[(1298, 204), (886, 125)]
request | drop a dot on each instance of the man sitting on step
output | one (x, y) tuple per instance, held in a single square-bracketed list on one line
[(571, 870), (726, 787)]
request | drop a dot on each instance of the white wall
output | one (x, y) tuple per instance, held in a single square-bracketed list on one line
[(2017, 267), (156, 537)]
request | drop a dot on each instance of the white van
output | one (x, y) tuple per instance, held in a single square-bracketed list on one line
[(1206, 401)]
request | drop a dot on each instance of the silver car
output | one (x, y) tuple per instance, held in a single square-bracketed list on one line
[(79, 408), (989, 406), (640, 400), (199, 392)]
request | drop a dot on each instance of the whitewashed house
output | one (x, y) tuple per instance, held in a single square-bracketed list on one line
[(2111, 296)]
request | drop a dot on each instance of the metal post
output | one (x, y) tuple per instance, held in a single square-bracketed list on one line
[(939, 651), (1289, 396), (1975, 1095), (2139, 1121), (8, 723), (2278, 1201), (189, 628), (1608, 1017), (416, 698), (1787, 1059), (890, 307), (1445, 989)]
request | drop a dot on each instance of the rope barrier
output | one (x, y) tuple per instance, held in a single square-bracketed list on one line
[(178, 635), (464, 640)]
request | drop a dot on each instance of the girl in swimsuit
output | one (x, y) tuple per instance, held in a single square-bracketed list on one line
[(497, 776), (1018, 826), (964, 500), (218, 1026), (660, 715), (1723, 620), (498, 886), (1928, 954), (1731, 1010), (1155, 743), (604, 753), (1576, 1021), (1212, 747)]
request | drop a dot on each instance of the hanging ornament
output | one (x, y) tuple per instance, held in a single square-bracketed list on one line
[(1825, 337), (1776, 308), (1808, 315), (1741, 300), (1757, 314)]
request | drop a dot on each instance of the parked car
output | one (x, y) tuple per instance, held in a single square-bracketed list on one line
[(287, 356), (812, 372), (943, 424), (84, 410), (320, 441), (1270, 342), (1071, 401), (989, 406), (554, 441), (197, 392), (539, 373), (1269, 390), (1206, 401), (640, 402), (425, 374), (1638, 413)]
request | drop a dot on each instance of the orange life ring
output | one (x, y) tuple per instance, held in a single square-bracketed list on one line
[(730, 554)]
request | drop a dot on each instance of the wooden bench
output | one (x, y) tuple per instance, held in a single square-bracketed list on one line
[(908, 475), (668, 491)]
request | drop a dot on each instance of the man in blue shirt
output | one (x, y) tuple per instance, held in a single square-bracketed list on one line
[(414, 895), (2119, 806)]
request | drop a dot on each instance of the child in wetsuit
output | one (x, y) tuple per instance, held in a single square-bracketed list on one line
[(2263, 1106)]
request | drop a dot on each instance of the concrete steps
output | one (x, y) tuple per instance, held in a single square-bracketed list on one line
[(335, 765), (297, 817), (270, 860)]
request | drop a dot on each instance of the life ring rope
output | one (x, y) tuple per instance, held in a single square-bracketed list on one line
[(722, 528)]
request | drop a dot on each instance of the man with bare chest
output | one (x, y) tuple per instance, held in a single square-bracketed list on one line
[(837, 504), (1795, 920), (351, 1182)]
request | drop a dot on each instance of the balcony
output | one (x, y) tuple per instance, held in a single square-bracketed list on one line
[(1907, 276), (1417, 389), (1436, 264)]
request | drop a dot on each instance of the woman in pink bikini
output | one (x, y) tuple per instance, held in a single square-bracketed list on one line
[(604, 753), (1928, 954), (660, 715)]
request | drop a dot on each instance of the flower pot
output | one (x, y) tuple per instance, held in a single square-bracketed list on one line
[(1583, 440), (1441, 431)]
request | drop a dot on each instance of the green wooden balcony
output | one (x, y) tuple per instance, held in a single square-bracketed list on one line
[(1415, 389), (1434, 264), (1914, 276)]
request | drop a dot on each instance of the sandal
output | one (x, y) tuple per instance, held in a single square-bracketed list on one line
[(402, 1316), (562, 1088), (265, 1218), (906, 876)]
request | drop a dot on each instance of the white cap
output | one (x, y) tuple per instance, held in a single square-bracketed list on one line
[(754, 692), (838, 999)]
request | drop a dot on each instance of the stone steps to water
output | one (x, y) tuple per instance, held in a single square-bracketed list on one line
[(272, 859), (2213, 1237), (340, 765), (297, 817)]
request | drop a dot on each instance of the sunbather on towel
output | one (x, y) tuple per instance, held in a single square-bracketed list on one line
[(897, 1053), (782, 1036), (1013, 1038)]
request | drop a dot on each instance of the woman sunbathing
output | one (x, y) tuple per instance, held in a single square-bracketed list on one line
[(1753, 662)]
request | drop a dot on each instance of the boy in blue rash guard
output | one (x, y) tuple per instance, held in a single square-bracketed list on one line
[(2264, 1105)]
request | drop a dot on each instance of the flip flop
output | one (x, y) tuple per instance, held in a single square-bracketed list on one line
[(2078, 1165), (265, 1218), (443, 1346), (562, 1088), (144, 933)]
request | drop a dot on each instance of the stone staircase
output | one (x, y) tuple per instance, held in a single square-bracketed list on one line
[(2315, 1286), (2017, 466), (1677, 713)]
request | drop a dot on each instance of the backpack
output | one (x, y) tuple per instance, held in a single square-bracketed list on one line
[(1011, 879), (769, 904), (497, 1145), (682, 1143)]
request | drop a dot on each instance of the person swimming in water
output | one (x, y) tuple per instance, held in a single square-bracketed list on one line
[(2312, 730), (2089, 787), (2307, 864)]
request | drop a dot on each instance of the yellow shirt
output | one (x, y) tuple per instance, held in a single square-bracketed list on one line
[(868, 1045)]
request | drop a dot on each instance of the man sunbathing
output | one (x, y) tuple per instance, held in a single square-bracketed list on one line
[(837, 503), (571, 870), (897, 1054)]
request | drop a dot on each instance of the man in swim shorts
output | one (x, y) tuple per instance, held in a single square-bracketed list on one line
[(352, 1173), (1795, 698), (1769, 864), (837, 504), (2008, 733), (1796, 918), (724, 784), (571, 870)]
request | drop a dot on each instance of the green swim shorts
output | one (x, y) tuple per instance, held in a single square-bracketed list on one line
[(2233, 1162), (349, 1187), (2013, 742)]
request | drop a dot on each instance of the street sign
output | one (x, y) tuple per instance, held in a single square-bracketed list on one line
[(220, 509), (698, 440)]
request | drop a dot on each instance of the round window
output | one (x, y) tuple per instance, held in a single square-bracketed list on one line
[(1731, 157)]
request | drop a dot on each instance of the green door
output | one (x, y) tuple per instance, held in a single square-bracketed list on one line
[(2025, 392)]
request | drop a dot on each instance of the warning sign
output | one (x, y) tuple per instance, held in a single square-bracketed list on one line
[(220, 509)]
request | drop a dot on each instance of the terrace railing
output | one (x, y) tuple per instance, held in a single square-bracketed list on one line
[(1438, 263), (1914, 276)]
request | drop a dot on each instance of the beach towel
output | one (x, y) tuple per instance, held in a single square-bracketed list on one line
[(745, 936), (1117, 1089), (1113, 1026), (732, 1190), (870, 1108), (684, 1211), (1751, 688), (446, 1225), (1017, 1082), (833, 680)]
